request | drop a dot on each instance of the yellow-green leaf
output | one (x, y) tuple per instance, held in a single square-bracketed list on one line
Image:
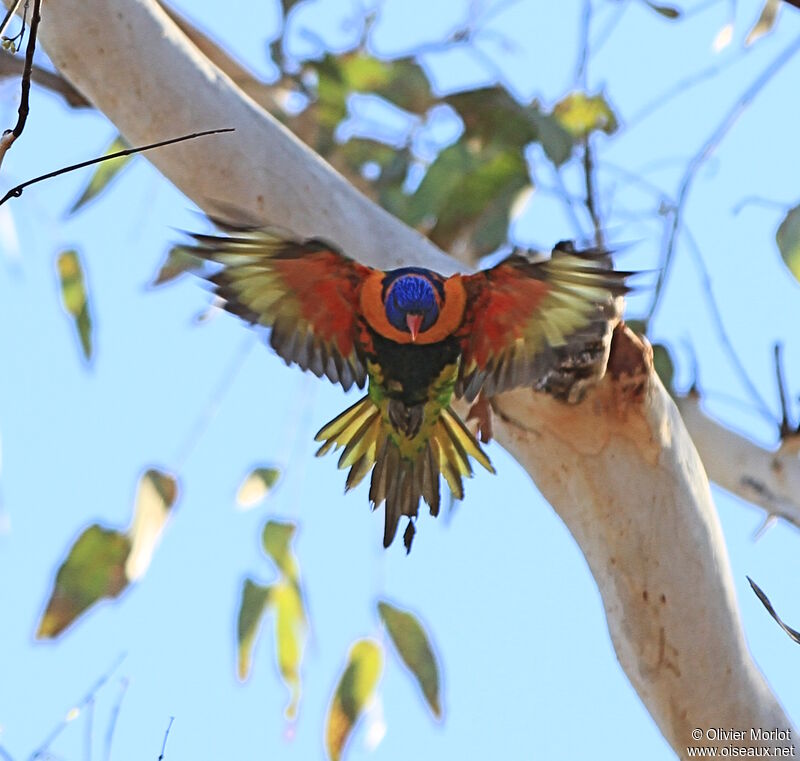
[(276, 540), (255, 598), (788, 239), (765, 23), (414, 648), (94, 570), (103, 174), (155, 497), (354, 692), (581, 114), (74, 297), (256, 486), (290, 634), (178, 261)]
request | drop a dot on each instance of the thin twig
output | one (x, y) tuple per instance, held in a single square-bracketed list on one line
[(581, 73), (12, 9), (5, 755), (166, 737), (43, 749), (722, 333), (89, 729), (591, 192), (697, 161), (13, 66), (112, 722), (793, 633), (16, 191), (8, 138), (785, 428)]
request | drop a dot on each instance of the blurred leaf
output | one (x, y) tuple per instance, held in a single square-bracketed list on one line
[(178, 262), (667, 11), (414, 648), (94, 570), (355, 690), (793, 633), (256, 486), (491, 114), (75, 298), (103, 174), (788, 239), (290, 626), (765, 23), (466, 195), (556, 141), (663, 365), (276, 540), (581, 114), (286, 600), (255, 599), (723, 38), (155, 497)]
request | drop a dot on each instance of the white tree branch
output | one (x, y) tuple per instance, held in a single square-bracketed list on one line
[(619, 468), (769, 479)]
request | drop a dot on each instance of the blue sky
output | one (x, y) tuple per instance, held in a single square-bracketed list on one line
[(514, 613)]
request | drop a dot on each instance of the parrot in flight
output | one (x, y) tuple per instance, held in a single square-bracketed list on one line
[(417, 338)]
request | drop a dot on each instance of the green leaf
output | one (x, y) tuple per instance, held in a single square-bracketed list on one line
[(179, 260), (255, 599), (94, 570), (105, 172), (286, 600), (466, 196), (256, 486), (74, 297), (414, 648), (765, 23), (156, 494), (581, 114), (667, 11), (788, 239), (276, 540), (355, 690), (290, 629)]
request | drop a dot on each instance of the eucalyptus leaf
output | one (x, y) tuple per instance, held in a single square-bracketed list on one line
[(354, 692), (93, 570), (104, 173), (788, 240), (414, 648), (75, 298)]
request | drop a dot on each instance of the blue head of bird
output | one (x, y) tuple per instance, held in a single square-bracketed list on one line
[(412, 301)]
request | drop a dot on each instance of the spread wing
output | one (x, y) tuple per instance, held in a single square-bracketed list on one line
[(520, 313), (307, 292)]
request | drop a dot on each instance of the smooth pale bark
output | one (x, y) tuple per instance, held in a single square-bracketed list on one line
[(619, 467), (767, 478)]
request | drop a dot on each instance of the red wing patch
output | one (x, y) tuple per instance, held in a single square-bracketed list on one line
[(306, 292)]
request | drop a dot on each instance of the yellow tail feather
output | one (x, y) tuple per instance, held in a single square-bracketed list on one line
[(370, 442)]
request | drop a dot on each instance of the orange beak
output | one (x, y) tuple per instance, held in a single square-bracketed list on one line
[(414, 322)]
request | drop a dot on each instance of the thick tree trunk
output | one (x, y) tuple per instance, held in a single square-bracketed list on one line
[(619, 467)]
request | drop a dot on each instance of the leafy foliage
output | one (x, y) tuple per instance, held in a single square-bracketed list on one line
[(355, 690), (788, 240), (285, 598), (414, 648), (103, 562), (75, 298), (257, 486), (103, 174)]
